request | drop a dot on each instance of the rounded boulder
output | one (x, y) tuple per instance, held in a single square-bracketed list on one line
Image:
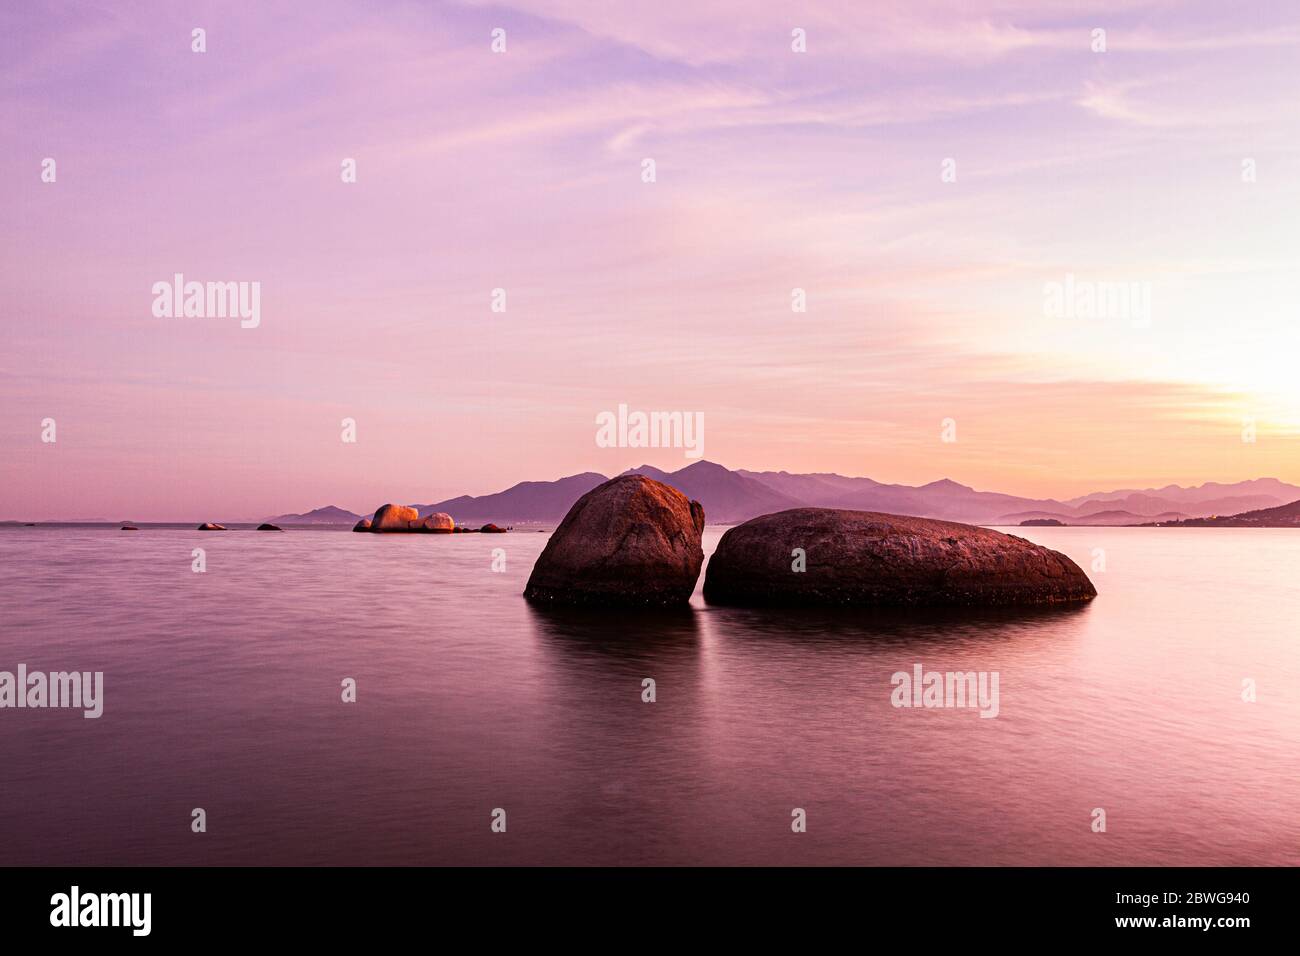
[(439, 523), (827, 557), (395, 518), (631, 542)]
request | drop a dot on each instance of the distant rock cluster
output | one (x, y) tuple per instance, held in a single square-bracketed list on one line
[(405, 519)]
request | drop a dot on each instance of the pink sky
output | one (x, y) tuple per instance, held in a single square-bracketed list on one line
[(522, 170)]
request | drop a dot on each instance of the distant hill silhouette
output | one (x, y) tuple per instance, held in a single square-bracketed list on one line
[(728, 496), (1283, 516), (1279, 492), (545, 501), (330, 514)]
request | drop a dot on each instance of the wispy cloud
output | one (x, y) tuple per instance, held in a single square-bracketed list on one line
[(776, 170)]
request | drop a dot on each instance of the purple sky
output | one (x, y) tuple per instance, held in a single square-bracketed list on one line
[(775, 170)]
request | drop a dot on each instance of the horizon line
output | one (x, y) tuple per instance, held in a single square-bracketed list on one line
[(702, 461)]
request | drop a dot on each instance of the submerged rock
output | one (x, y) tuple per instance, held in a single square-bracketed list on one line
[(863, 558), (129, 527), (632, 541), (396, 518), (268, 527), (209, 526)]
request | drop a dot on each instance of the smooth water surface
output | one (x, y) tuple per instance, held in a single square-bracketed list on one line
[(223, 691)]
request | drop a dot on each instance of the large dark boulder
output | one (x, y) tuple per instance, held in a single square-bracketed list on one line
[(209, 526), (267, 526), (632, 541), (862, 558), (362, 525)]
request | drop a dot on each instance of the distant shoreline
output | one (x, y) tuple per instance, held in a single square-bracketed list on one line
[(522, 526)]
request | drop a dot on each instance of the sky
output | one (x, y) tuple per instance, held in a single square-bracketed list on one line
[(924, 172)]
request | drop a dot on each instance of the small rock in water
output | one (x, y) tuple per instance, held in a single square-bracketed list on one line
[(440, 523), (396, 518)]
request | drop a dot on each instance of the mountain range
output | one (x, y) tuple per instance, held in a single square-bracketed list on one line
[(731, 496)]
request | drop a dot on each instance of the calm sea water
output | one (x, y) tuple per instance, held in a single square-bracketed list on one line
[(223, 691)]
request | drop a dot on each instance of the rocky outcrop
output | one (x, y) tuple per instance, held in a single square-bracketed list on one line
[(396, 518), (209, 526), (864, 558), (492, 529), (632, 541), (268, 527), (439, 523)]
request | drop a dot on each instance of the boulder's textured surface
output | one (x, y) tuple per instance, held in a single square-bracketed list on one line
[(209, 526), (632, 541), (362, 525), (863, 558), (396, 518), (439, 523), (268, 527)]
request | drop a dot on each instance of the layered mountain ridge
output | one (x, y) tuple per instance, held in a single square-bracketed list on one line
[(732, 496)]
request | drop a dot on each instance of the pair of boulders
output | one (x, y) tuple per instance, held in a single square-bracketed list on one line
[(394, 518), (634, 541), (405, 518)]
